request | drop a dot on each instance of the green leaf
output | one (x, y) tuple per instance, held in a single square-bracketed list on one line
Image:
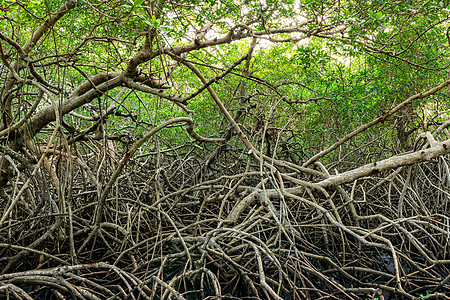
[(138, 2)]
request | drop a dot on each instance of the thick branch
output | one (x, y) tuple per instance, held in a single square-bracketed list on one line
[(376, 121), (236, 33), (48, 24), (47, 114), (438, 150), (367, 170)]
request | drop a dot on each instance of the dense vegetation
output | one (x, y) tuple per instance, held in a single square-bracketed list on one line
[(230, 149)]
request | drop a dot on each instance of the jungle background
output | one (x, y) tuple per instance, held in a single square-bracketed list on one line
[(229, 149)]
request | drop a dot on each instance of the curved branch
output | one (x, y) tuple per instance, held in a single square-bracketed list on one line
[(47, 114), (17, 125), (126, 158)]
